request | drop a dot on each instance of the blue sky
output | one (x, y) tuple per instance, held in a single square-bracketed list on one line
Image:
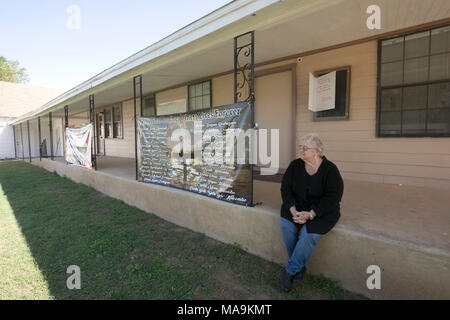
[(35, 33)]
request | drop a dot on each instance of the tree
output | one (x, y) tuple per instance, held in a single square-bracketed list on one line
[(11, 72)]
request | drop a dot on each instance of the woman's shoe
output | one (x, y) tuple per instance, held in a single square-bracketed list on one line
[(286, 283), (299, 276)]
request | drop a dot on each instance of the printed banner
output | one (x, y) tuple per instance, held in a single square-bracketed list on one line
[(203, 152), (78, 146)]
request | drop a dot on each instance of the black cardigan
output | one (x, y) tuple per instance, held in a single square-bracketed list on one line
[(323, 197)]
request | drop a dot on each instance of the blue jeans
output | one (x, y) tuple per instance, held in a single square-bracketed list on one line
[(299, 246)]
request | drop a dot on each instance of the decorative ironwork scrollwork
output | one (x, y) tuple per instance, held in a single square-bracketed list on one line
[(244, 68)]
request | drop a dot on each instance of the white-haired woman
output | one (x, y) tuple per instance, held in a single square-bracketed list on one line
[(311, 190)]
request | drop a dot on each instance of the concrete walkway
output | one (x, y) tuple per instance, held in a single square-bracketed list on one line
[(420, 216)]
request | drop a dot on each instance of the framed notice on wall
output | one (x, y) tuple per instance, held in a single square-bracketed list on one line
[(322, 92), (340, 109)]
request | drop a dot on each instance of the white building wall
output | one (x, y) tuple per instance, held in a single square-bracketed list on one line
[(34, 137), (58, 143), (18, 142), (22, 136), (57, 126), (6, 140)]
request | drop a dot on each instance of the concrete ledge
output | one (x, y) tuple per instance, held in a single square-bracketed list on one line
[(408, 271)]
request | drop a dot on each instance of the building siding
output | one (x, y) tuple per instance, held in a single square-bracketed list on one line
[(351, 144), (6, 139)]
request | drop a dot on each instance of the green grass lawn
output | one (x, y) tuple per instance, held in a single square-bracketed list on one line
[(48, 223)]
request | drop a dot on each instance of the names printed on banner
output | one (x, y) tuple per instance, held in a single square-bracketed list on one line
[(161, 163)]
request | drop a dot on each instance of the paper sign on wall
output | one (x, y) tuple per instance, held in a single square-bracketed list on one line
[(322, 92), (171, 107)]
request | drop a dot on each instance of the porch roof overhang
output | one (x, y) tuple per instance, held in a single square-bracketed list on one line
[(205, 47)]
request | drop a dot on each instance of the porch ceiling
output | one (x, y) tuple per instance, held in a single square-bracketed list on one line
[(282, 29)]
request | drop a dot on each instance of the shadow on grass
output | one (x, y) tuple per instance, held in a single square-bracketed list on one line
[(125, 253)]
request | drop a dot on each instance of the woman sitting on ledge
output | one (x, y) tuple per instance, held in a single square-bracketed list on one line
[(311, 190)]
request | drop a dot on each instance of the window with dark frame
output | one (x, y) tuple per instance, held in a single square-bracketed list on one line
[(113, 121), (342, 98), (149, 106), (108, 123), (117, 121), (414, 85), (200, 96)]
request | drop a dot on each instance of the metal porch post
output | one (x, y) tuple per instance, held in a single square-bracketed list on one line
[(50, 123), (15, 143), (135, 81), (66, 125), (66, 116), (21, 140), (92, 119), (244, 65), (39, 133), (29, 140)]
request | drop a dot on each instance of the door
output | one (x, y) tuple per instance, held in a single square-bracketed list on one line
[(274, 110), (19, 139), (100, 133)]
